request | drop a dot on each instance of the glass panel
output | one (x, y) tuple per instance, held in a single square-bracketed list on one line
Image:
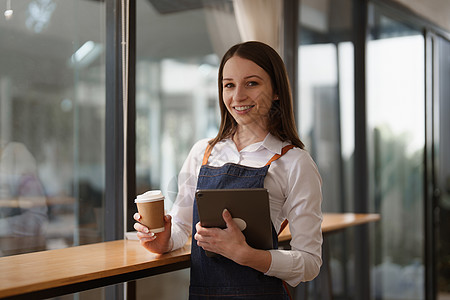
[(396, 137), (179, 45), (52, 107), (326, 82), (443, 168), (326, 93), (326, 118)]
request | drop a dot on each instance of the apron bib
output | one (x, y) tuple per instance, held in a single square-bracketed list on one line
[(219, 277)]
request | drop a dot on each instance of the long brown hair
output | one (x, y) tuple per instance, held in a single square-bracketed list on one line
[(281, 115)]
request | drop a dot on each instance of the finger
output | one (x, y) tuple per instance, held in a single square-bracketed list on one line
[(204, 246), (146, 237), (168, 218), (226, 215), (203, 234), (167, 221), (204, 231), (141, 228), (147, 240), (197, 237), (201, 241), (198, 227), (137, 216)]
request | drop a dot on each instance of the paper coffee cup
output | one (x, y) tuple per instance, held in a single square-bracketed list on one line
[(150, 206)]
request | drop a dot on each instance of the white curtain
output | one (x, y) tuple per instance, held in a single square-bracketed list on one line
[(260, 20), (221, 25)]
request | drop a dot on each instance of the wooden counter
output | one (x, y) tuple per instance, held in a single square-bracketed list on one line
[(333, 222), (55, 272)]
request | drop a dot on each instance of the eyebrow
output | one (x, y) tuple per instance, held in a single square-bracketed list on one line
[(246, 77)]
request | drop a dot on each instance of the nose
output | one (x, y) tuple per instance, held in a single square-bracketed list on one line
[(240, 93)]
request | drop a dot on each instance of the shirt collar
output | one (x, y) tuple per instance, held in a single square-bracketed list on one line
[(271, 143)]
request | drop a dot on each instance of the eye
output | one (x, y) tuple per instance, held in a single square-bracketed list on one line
[(252, 83), (228, 85)]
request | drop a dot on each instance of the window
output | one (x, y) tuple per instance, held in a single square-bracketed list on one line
[(396, 137), (326, 118), (52, 106)]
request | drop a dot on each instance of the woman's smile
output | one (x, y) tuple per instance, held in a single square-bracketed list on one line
[(243, 109)]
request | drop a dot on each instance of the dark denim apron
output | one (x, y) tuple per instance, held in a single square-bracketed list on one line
[(219, 277)]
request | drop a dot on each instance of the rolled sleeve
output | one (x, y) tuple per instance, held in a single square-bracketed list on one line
[(293, 266), (286, 266)]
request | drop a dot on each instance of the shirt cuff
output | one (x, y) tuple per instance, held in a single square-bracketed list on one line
[(283, 266)]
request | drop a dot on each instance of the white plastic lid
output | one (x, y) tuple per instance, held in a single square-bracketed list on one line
[(150, 196)]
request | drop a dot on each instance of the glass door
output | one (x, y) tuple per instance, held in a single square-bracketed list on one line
[(396, 143)]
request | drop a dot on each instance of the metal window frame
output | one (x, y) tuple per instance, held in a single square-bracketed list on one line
[(360, 187), (114, 208), (114, 167)]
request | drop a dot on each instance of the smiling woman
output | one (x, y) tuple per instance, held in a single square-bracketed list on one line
[(253, 95)]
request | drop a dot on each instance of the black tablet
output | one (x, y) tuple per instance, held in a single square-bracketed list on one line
[(249, 208)]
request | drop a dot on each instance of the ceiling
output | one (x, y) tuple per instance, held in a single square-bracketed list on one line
[(42, 35), (435, 11)]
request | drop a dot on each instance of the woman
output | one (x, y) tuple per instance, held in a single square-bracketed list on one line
[(258, 139)]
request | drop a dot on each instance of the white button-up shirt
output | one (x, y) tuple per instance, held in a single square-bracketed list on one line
[(294, 186)]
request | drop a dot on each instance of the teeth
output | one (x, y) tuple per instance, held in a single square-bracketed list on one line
[(241, 108)]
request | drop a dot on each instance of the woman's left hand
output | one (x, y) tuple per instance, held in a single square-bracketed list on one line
[(228, 242)]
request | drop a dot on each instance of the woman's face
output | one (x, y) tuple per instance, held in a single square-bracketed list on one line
[(247, 92)]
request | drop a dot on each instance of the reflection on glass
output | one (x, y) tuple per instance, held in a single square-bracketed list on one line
[(52, 115), (39, 14), (171, 116), (23, 202), (396, 131), (326, 107), (176, 85)]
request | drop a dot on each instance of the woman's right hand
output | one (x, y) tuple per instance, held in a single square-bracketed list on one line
[(154, 242)]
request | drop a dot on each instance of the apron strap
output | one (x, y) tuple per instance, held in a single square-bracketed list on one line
[(283, 152), (283, 226), (207, 154), (274, 158)]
